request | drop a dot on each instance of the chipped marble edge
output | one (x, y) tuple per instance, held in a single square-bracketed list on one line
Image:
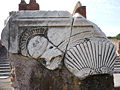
[(41, 14)]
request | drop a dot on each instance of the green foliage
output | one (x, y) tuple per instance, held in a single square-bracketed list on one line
[(111, 37), (116, 37)]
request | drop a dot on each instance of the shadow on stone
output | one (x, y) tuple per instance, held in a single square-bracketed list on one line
[(98, 82), (117, 88)]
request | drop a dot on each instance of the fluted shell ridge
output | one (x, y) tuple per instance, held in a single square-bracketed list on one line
[(91, 57)]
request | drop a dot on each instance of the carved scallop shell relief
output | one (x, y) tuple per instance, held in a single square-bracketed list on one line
[(91, 57)]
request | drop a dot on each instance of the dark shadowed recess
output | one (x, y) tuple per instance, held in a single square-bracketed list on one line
[(117, 88), (62, 79)]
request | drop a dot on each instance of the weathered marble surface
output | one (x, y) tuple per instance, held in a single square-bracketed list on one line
[(52, 37)]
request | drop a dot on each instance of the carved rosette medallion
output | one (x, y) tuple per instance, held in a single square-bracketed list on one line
[(33, 42), (36, 46)]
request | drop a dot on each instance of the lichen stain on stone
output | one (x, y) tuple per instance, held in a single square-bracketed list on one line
[(65, 87), (76, 84)]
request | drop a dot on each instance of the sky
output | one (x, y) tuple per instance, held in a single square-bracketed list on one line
[(104, 13)]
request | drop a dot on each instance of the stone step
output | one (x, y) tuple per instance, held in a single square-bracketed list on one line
[(4, 65), (7, 80), (5, 70), (4, 77), (117, 61), (117, 67), (4, 74), (5, 83), (4, 60), (116, 64), (6, 86), (1, 68), (116, 70)]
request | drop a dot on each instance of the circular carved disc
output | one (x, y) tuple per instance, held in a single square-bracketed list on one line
[(37, 46)]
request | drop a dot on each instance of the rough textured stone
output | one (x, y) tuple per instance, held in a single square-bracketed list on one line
[(117, 88), (34, 76), (3, 53), (98, 82), (65, 44)]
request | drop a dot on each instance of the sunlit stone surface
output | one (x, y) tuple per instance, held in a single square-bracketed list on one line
[(54, 45)]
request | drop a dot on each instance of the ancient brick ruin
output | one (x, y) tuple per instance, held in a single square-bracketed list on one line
[(80, 9), (31, 6)]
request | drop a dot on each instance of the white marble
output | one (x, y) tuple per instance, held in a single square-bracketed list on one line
[(117, 80), (53, 57), (37, 46), (36, 13), (48, 35), (90, 58), (58, 35)]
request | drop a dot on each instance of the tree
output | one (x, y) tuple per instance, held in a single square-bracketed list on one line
[(118, 37)]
